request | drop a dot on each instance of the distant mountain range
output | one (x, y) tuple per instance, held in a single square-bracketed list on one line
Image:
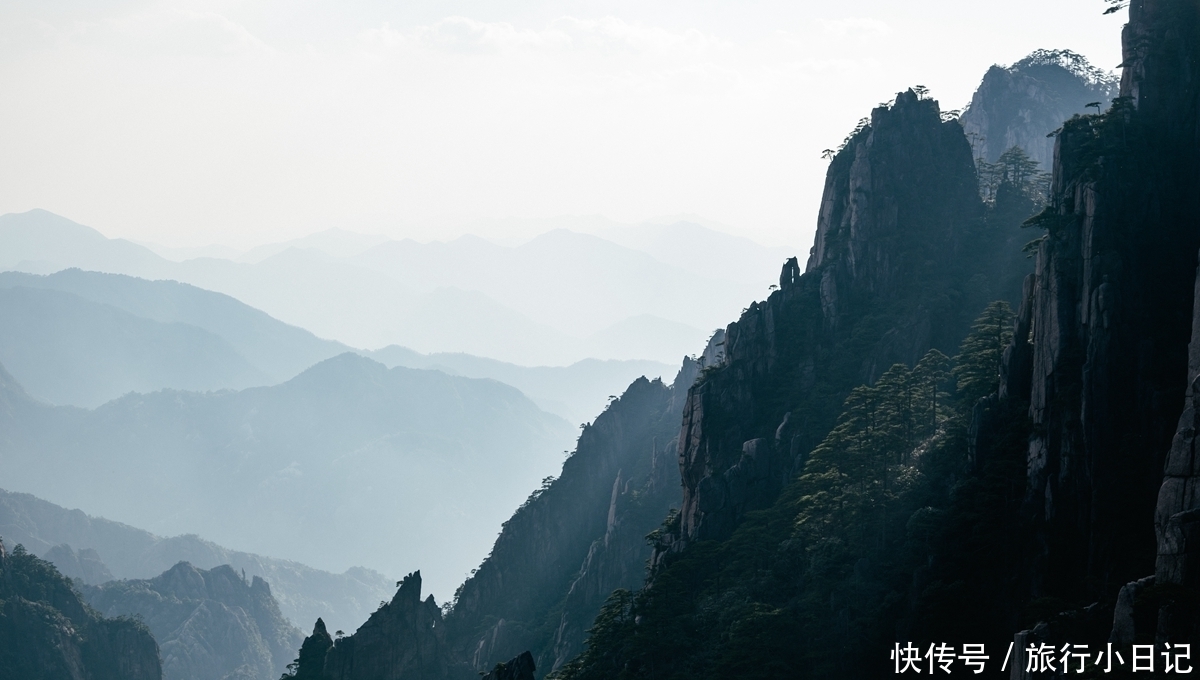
[(556, 299), (349, 463), (83, 338), (577, 392), (96, 550)]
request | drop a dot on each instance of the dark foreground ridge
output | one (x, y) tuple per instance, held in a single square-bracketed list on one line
[(48, 633)]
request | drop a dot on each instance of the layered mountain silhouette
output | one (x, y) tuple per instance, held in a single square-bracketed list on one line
[(349, 463), (556, 299), (576, 392), (96, 550), (83, 338)]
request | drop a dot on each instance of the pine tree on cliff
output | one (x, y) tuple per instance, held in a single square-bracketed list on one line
[(1015, 171), (977, 366)]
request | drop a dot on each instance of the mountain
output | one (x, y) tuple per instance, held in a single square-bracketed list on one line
[(349, 463), (1106, 350), (278, 350), (97, 550), (404, 638), (577, 538), (1021, 105), (41, 242), (84, 338), (49, 633), (701, 250), (576, 392), (906, 255), (209, 624), (589, 282), (332, 242), (68, 350), (559, 298), (645, 335), (758, 574), (1038, 487), (83, 565), (572, 542)]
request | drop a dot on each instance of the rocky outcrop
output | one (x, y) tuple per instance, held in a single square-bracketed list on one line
[(1020, 105), (48, 633), (310, 665), (404, 639), (209, 624)]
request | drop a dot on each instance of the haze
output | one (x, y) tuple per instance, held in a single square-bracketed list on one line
[(246, 122)]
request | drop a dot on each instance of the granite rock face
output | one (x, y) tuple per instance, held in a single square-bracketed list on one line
[(1162, 48), (1020, 105), (48, 633), (209, 624), (1101, 349)]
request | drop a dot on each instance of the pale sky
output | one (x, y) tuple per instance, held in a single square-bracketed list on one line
[(189, 122)]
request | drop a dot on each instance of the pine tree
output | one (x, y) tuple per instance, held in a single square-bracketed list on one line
[(977, 366)]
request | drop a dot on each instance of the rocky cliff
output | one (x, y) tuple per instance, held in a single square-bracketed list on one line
[(791, 552), (900, 217), (48, 633), (1102, 352), (1020, 105), (800, 547), (210, 624)]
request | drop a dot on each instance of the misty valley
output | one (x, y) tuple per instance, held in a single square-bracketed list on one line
[(958, 434)]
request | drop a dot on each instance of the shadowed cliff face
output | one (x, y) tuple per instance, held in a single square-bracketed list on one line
[(46, 631), (1109, 310), (403, 640), (905, 255)]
